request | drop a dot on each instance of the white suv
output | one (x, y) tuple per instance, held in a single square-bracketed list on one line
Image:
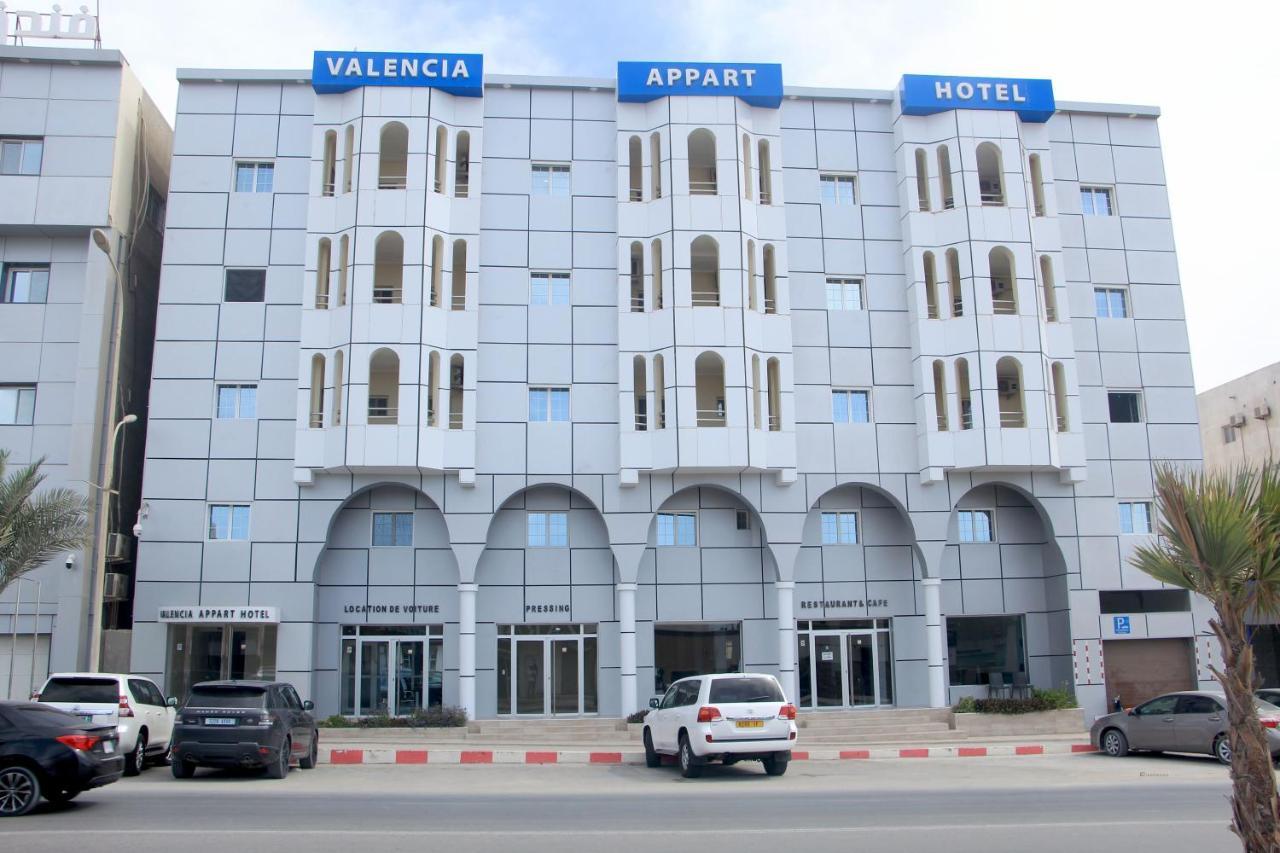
[(133, 704), (733, 717)]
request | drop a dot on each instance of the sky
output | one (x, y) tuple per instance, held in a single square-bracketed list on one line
[(1205, 66)]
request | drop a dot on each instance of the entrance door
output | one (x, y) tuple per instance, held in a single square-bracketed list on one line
[(863, 672), (547, 676), (828, 671), (565, 695), (845, 670), (375, 666)]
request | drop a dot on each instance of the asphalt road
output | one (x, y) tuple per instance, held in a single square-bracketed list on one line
[(1046, 804)]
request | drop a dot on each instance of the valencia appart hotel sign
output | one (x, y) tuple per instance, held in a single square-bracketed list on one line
[(336, 71)]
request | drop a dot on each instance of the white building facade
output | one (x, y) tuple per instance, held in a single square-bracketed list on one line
[(532, 395)]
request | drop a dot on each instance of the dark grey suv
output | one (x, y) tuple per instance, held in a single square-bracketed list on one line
[(244, 724)]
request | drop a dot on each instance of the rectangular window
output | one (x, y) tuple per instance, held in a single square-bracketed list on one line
[(21, 156), (1111, 302), (245, 286), (844, 294), (979, 647), (255, 177), (1229, 435), (837, 189), (743, 520), (229, 522), (550, 179), (392, 529), (548, 288), (1096, 201), (1125, 407), (850, 407), (548, 529), (677, 529), (238, 401), (1135, 517), (548, 404), (25, 283), (1145, 601), (839, 528), (976, 525), (17, 404)]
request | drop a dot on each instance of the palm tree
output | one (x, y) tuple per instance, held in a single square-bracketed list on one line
[(1220, 537), (35, 526)]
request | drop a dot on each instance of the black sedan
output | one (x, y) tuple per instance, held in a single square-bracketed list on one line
[(49, 753)]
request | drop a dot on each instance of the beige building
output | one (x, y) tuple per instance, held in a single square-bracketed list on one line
[(1239, 419)]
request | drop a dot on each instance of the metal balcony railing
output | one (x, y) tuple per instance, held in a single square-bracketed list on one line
[(775, 423), (1051, 314), (1013, 420), (637, 304), (1062, 423), (710, 418), (455, 420), (642, 422), (316, 421), (949, 203), (458, 302), (770, 305), (702, 187), (957, 307), (766, 197), (461, 188), (943, 426), (383, 414), (393, 182), (326, 189), (992, 198), (706, 299), (966, 420), (635, 195), (322, 300), (1004, 306), (386, 295)]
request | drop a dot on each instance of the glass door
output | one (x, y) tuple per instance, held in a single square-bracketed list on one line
[(374, 677), (530, 676), (863, 672), (566, 697), (828, 671), (409, 682)]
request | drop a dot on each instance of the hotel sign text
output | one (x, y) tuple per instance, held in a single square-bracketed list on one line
[(758, 84), (335, 71), (924, 94), (197, 613)]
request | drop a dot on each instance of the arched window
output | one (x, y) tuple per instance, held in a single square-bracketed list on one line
[(433, 389), (1037, 185), (748, 180), (1009, 393), (635, 170), (990, 174), (1004, 291), (708, 375), (330, 154), (437, 271), (344, 268), (766, 173), (940, 394), (704, 262), (770, 280), (459, 300), (1060, 396), (338, 388), (636, 277), (462, 166), (639, 394), (953, 281), (922, 179), (755, 391), (655, 162), (384, 387), (944, 178), (702, 162), (660, 391), (316, 417), (442, 158), (931, 286), (775, 395), (456, 377), (1050, 292), (388, 267), (322, 272), (348, 158), (962, 394), (752, 301), (393, 156), (657, 275)]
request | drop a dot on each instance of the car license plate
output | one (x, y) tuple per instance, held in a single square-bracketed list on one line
[(88, 718), (750, 724), (219, 721), (108, 746)]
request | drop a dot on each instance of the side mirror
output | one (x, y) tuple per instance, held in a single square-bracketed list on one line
[(171, 702), (308, 705), (653, 702)]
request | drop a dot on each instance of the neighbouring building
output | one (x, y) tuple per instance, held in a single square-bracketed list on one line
[(84, 169), (532, 395)]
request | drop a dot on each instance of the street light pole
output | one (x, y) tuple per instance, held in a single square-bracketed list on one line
[(13, 632)]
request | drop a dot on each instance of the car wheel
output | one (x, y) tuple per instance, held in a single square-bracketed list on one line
[(137, 760), (279, 768), (308, 761), (1222, 749), (690, 766), (1114, 743), (61, 795), (182, 769), (19, 791), (776, 764), (651, 757)]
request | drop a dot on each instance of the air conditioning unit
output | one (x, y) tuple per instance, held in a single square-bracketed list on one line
[(1262, 412), (1237, 420), (118, 548), (1007, 386), (115, 586)]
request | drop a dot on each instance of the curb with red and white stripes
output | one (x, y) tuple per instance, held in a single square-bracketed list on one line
[(532, 756)]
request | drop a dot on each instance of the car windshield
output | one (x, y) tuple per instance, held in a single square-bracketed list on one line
[(745, 689), (231, 696), (103, 691)]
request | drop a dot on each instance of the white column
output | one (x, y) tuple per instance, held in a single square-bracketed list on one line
[(935, 642), (627, 645), (467, 648), (787, 638)]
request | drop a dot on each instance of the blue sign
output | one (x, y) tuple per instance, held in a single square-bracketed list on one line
[(758, 84), (924, 94), (1120, 624), (336, 71)]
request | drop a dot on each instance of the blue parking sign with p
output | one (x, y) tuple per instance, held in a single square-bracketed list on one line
[(1120, 624)]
